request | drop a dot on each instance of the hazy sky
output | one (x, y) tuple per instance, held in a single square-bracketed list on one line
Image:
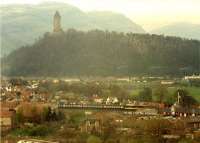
[(148, 13)]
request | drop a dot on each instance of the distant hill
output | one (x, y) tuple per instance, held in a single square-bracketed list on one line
[(185, 30), (113, 22), (22, 24), (103, 53)]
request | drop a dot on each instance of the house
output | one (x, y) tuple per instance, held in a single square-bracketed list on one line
[(7, 119), (167, 82), (192, 123), (170, 138), (177, 110), (9, 105), (192, 77), (112, 100), (98, 100)]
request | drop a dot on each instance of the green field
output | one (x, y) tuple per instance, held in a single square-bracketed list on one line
[(193, 91)]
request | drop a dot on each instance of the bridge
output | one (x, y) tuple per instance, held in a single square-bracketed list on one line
[(104, 107), (35, 141)]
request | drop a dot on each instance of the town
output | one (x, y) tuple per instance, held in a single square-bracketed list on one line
[(100, 109), (112, 71)]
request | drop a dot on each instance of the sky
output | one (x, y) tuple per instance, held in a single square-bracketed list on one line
[(150, 14)]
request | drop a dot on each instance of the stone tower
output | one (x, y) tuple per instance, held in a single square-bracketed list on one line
[(56, 22)]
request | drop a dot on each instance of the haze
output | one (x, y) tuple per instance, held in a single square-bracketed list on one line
[(149, 14)]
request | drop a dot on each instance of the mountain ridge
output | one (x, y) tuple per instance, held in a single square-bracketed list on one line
[(179, 29)]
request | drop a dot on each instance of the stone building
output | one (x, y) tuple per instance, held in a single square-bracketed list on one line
[(57, 23)]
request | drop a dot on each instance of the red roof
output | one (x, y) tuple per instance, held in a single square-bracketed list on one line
[(4, 112)]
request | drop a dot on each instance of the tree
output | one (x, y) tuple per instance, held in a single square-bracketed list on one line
[(18, 81), (35, 115), (40, 130), (160, 93), (93, 139), (117, 91), (109, 129), (19, 116), (45, 114), (145, 94), (60, 115)]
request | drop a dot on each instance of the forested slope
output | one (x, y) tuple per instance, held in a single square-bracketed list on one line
[(104, 53)]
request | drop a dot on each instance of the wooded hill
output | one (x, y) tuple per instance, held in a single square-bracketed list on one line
[(103, 53)]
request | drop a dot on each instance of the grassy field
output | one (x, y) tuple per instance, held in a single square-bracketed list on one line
[(193, 91), (137, 87)]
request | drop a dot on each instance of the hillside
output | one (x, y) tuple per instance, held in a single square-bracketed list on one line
[(185, 30), (100, 53), (23, 24)]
